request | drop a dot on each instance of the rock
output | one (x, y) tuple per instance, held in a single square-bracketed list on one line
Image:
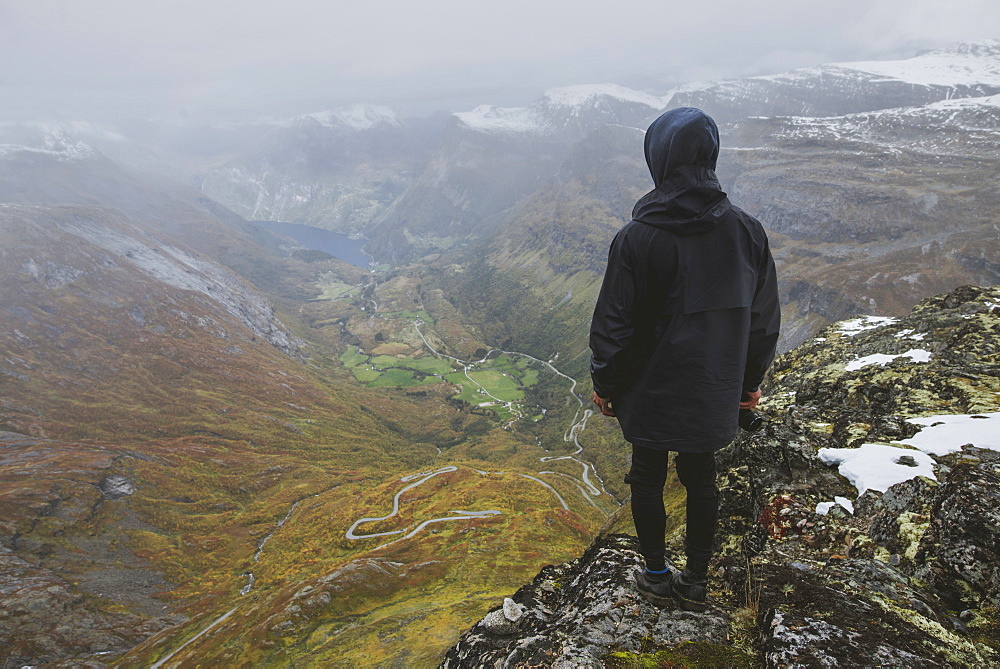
[(504, 620), (804, 641), (960, 552), (575, 614), (48, 621), (116, 487)]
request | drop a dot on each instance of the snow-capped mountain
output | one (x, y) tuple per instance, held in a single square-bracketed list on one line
[(970, 64), (355, 117), (579, 108), (869, 209), (965, 70), (47, 139)]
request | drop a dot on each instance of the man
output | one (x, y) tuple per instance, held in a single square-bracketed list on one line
[(685, 327)]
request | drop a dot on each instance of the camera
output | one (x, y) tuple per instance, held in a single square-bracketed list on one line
[(750, 420)]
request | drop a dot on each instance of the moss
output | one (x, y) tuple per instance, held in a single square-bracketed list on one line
[(956, 650), (985, 627), (911, 530), (685, 654), (857, 431)]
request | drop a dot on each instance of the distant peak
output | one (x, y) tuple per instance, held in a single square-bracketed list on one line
[(508, 119), (356, 117), (550, 112), (988, 48), (575, 96), (43, 139)]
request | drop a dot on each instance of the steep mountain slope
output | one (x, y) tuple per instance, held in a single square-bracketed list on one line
[(533, 284), (873, 211), (860, 527), (150, 424), (49, 166), (174, 455), (337, 170), (491, 159)]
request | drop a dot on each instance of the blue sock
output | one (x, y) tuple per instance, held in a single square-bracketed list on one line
[(662, 571)]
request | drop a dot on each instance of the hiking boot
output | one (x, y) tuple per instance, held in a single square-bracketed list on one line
[(689, 590), (655, 587)]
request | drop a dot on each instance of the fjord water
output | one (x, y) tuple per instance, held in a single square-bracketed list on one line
[(336, 244)]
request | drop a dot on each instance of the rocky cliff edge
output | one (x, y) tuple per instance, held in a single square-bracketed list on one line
[(860, 527)]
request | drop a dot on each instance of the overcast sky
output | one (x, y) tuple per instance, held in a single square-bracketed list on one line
[(246, 58)]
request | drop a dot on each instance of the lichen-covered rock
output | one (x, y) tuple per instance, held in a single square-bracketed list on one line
[(911, 577), (856, 611), (577, 613), (959, 553)]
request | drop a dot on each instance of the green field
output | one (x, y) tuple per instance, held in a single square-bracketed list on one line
[(499, 384), (504, 377), (333, 289), (351, 357), (430, 365), (410, 315), (400, 378)]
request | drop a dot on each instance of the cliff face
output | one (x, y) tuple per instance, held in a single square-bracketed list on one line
[(861, 526)]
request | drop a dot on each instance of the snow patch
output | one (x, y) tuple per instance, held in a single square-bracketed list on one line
[(823, 508), (914, 354), (945, 434), (54, 143), (878, 466), (554, 105), (909, 334), (963, 65), (861, 323)]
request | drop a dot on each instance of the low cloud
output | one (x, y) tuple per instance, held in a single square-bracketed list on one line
[(231, 57)]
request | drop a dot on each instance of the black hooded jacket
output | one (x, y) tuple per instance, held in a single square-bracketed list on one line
[(687, 317)]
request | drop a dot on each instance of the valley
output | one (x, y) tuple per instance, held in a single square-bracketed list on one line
[(270, 476)]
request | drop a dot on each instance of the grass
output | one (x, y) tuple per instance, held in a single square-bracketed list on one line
[(394, 378), (498, 384), (351, 357), (430, 365), (323, 600), (504, 377), (336, 290)]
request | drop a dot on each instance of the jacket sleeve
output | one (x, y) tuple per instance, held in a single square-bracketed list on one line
[(612, 327), (765, 323)]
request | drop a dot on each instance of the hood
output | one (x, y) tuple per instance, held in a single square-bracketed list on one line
[(682, 147)]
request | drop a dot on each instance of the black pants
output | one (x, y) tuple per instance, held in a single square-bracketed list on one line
[(696, 472)]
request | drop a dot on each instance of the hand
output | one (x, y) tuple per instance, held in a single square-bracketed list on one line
[(750, 399), (604, 404)]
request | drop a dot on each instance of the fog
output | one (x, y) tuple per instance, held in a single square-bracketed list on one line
[(239, 59)]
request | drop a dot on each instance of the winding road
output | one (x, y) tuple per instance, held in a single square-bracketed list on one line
[(585, 485), (576, 426), (579, 423), (423, 478)]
